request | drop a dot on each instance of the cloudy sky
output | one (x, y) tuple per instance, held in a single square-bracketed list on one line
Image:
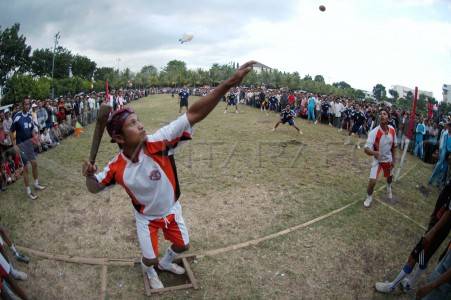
[(362, 42)]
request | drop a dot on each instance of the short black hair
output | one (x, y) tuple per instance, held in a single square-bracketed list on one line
[(386, 110)]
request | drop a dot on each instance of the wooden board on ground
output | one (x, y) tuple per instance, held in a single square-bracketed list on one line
[(192, 282)]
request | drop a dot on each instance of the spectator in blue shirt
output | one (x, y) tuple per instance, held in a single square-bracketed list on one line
[(24, 128), (183, 99)]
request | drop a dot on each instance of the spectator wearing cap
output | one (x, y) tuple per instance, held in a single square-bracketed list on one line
[(7, 121), (34, 116), (23, 126)]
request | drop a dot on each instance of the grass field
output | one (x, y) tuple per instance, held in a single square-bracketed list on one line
[(239, 181)]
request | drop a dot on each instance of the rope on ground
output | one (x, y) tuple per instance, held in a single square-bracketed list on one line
[(399, 212), (103, 282), (131, 261)]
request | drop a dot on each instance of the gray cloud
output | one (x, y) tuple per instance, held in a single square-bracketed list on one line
[(126, 27)]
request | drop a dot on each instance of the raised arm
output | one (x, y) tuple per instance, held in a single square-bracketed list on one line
[(201, 108)]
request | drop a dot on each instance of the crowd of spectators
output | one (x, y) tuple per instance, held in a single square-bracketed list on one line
[(354, 117), (53, 121)]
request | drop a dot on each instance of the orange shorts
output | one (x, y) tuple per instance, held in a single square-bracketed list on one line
[(377, 167)]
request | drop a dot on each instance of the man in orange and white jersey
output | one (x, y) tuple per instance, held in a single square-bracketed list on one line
[(381, 144), (145, 168)]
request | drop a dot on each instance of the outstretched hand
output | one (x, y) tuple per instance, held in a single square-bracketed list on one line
[(241, 73)]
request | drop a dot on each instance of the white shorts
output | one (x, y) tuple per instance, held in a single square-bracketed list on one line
[(174, 230), (377, 167)]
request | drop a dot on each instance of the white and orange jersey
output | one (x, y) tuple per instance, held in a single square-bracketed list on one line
[(384, 143), (152, 182)]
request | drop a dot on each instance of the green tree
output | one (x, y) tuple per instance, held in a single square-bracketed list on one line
[(105, 73), (379, 92), (41, 62), (319, 78), (175, 72), (359, 94), (41, 88), (63, 60), (341, 85), (83, 67), (17, 88), (14, 53), (394, 94), (149, 70)]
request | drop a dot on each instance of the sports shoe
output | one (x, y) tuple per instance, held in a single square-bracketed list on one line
[(236, 112), (18, 275), (39, 187), (32, 196), (273, 129), (300, 132), (22, 258), (405, 284), (358, 146), (367, 202), (173, 268), (225, 111), (316, 122), (384, 287), (155, 282)]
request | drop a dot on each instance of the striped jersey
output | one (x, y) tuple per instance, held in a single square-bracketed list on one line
[(381, 142), (151, 182)]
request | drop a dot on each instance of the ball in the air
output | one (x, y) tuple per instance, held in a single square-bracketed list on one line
[(322, 8)]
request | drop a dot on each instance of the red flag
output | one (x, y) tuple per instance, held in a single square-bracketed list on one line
[(107, 94), (412, 115), (430, 112)]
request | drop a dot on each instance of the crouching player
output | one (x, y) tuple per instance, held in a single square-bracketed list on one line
[(287, 116), (145, 167)]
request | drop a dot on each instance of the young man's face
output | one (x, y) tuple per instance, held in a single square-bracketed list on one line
[(384, 117), (132, 131), (26, 105)]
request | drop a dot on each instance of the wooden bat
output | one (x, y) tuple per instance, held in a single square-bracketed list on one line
[(102, 118)]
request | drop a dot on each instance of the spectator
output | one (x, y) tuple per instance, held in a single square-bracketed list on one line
[(23, 127), (420, 132), (42, 116)]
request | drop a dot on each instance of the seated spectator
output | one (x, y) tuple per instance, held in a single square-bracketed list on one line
[(46, 139)]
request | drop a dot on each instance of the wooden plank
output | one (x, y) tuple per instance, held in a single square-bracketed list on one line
[(172, 288), (103, 282), (189, 273), (147, 288)]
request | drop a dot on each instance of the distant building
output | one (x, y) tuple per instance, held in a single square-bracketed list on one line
[(402, 91), (447, 93), (258, 67), (368, 95)]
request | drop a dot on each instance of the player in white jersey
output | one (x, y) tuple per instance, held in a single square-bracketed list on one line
[(145, 167), (381, 144)]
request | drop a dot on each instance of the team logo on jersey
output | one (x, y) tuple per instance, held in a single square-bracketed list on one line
[(155, 175)]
